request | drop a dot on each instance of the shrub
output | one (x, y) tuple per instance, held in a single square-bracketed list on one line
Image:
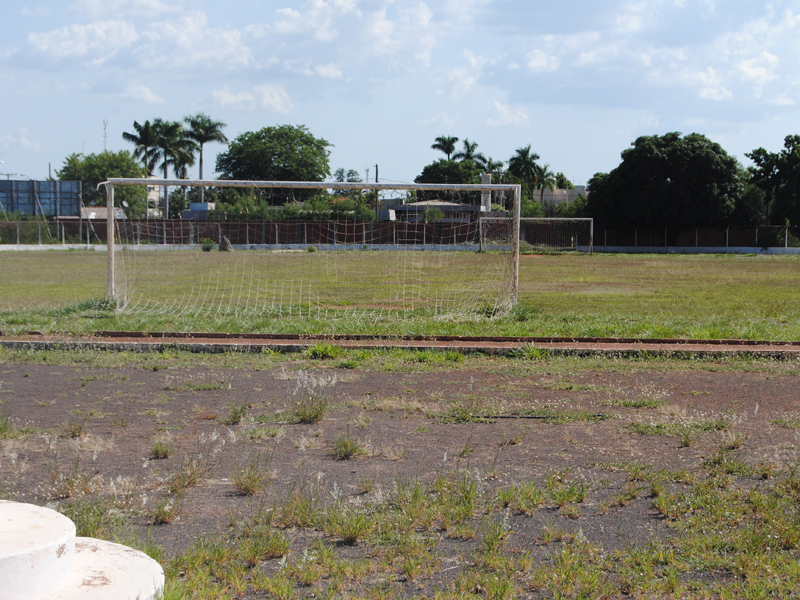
[(207, 244)]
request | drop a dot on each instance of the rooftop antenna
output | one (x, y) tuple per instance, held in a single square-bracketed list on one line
[(366, 170), (105, 134)]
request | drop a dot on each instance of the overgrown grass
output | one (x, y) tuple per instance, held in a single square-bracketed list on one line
[(600, 295)]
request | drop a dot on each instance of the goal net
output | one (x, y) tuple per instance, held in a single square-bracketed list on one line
[(338, 250), (541, 235)]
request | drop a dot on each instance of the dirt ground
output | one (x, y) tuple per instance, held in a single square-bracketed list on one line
[(96, 429)]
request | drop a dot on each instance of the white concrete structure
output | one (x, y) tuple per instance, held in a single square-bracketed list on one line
[(41, 559)]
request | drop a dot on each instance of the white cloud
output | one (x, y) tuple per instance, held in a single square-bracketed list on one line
[(783, 100), (268, 97), (103, 9), (759, 71), (273, 98), (226, 99), (99, 41), (186, 41), (542, 62), (441, 119), (462, 81), (507, 116), (36, 11), (8, 142), (330, 71), (413, 31), (143, 93), (304, 67), (316, 17)]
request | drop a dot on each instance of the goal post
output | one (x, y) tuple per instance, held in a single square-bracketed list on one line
[(307, 266)]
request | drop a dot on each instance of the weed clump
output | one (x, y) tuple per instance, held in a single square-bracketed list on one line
[(236, 414), (310, 398), (323, 351), (346, 447), (161, 450), (251, 475)]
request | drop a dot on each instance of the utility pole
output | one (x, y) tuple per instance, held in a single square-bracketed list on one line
[(376, 173), (105, 135)]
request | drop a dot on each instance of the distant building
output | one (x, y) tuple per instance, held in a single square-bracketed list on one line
[(154, 200), (559, 196), (48, 198), (452, 212)]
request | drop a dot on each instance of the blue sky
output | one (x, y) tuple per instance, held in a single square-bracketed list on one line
[(579, 80)]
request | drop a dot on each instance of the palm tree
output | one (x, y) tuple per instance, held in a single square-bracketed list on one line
[(172, 147), (446, 144), (494, 167), (545, 178), (202, 129), (145, 141), (523, 164), (469, 152)]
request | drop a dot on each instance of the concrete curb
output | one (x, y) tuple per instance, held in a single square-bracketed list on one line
[(582, 350)]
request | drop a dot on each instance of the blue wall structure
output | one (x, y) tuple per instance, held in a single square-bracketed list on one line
[(51, 198)]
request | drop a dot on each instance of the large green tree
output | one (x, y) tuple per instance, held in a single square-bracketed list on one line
[(203, 129), (668, 181), (97, 168), (281, 153), (778, 175), (450, 171)]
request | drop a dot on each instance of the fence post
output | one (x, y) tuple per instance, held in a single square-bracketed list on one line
[(786, 237), (335, 233), (63, 235), (87, 234), (138, 235), (39, 231), (305, 233), (263, 232), (219, 229), (727, 233), (276, 234), (756, 238), (17, 233), (247, 234)]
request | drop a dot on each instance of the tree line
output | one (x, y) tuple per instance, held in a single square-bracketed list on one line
[(669, 180)]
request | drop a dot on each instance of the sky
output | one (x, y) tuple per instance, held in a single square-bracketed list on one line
[(578, 80)]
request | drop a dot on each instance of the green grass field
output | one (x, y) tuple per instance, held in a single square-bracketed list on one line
[(750, 297)]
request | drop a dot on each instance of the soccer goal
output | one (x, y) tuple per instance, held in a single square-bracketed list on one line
[(423, 259), (541, 235)]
